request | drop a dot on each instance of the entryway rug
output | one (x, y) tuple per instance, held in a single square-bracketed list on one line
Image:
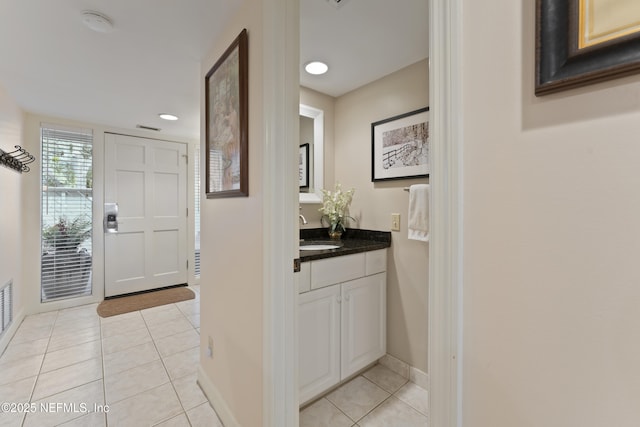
[(115, 306)]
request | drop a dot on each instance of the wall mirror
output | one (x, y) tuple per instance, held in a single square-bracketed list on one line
[(312, 133)]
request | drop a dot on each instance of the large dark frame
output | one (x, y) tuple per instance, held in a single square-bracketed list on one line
[(242, 94), (560, 65), (377, 157)]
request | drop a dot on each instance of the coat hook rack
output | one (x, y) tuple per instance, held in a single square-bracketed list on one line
[(17, 160)]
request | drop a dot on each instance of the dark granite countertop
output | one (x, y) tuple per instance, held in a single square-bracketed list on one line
[(353, 241)]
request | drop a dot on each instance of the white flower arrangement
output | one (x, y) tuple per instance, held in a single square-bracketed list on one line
[(334, 207)]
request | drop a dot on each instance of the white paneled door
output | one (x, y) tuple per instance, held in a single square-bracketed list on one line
[(147, 179)]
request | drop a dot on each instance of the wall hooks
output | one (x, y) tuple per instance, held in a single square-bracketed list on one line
[(17, 160)]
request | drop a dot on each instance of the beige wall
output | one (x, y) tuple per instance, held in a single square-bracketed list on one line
[(11, 230), (551, 236), (407, 277), (231, 252)]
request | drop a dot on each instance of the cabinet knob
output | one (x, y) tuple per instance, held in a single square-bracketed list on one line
[(339, 299), (347, 297)]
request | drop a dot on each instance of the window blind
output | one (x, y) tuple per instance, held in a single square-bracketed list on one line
[(66, 217), (197, 212)]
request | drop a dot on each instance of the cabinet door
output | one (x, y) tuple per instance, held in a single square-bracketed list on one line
[(364, 329), (319, 341)]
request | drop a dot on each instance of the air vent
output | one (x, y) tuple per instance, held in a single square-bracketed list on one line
[(6, 307), (337, 3), (148, 128)]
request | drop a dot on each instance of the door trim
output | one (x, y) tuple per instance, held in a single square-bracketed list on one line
[(280, 106), (446, 243)]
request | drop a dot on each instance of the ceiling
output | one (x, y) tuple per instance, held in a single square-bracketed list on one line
[(51, 64)]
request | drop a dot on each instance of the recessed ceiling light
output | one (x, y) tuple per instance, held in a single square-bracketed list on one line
[(168, 116), (97, 21), (316, 67)]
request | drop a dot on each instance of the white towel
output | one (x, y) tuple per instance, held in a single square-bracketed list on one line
[(419, 212)]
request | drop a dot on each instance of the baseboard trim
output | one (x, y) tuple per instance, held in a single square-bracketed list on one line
[(11, 331), (415, 375), (216, 400)]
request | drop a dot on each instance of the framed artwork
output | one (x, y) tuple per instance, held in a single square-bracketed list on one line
[(303, 166), (227, 123), (580, 42), (400, 146)]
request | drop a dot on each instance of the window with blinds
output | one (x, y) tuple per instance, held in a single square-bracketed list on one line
[(197, 212), (66, 217)]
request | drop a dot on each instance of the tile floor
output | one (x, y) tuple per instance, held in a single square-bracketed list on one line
[(71, 363), (377, 398), (141, 364)]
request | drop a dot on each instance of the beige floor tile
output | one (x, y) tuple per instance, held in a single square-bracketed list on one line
[(161, 314), (179, 421), (189, 391), (20, 350), (19, 391), (127, 340), (414, 396), (127, 384), (145, 409), (189, 307), (94, 419), (71, 355), (130, 358), (323, 414), (203, 416), (119, 317), (396, 413), (182, 364), (171, 327), (39, 320), (357, 397), (72, 337), (178, 342), (12, 419), (195, 320), (122, 326), (385, 378), (31, 333), (20, 369), (77, 402), (62, 379)]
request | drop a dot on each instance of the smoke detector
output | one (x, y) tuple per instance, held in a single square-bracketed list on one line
[(97, 22), (336, 3)]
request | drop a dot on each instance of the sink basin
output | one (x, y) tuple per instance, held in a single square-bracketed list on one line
[(318, 247)]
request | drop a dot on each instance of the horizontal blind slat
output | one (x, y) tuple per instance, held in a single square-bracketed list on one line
[(67, 197)]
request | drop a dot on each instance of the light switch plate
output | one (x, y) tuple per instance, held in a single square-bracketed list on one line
[(395, 222)]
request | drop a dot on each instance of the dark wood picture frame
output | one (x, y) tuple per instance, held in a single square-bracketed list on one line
[(303, 166), (227, 123), (561, 64), (409, 131)]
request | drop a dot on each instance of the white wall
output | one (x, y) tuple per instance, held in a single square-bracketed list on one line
[(407, 275), (11, 230), (551, 236)]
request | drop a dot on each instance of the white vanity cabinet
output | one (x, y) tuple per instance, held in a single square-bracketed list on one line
[(342, 319)]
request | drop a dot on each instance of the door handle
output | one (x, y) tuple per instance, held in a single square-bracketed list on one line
[(110, 218)]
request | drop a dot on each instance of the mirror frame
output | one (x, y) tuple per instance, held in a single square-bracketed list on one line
[(318, 154)]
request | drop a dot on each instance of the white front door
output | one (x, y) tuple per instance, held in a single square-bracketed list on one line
[(148, 180)]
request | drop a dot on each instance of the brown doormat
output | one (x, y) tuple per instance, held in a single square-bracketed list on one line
[(131, 303)]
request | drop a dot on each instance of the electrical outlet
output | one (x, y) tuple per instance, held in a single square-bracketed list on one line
[(210, 348), (395, 222)]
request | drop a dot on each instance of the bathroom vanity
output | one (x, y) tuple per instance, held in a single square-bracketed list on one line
[(341, 309)]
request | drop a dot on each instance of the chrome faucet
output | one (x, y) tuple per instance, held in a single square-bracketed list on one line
[(304, 220)]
